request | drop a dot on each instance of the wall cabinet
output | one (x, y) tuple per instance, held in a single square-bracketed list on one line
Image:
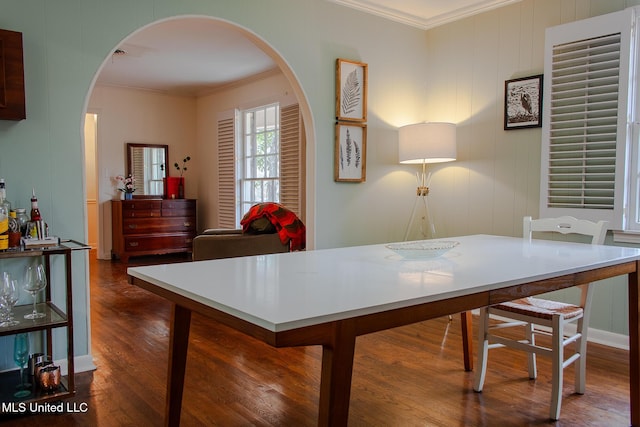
[(152, 226), (56, 317), (12, 98)]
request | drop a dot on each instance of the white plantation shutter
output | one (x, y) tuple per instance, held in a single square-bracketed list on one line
[(583, 123), (291, 160), (585, 114), (226, 174)]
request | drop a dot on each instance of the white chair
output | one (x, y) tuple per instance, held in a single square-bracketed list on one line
[(531, 312)]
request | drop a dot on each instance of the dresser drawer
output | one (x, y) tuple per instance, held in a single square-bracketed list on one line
[(141, 208), (178, 207), (158, 225), (158, 242)]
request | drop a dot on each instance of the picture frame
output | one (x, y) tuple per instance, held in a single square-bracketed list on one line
[(351, 90), (523, 102), (350, 163)]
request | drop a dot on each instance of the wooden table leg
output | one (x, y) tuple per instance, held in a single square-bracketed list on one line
[(178, 343), (335, 379), (634, 345), (467, 339)]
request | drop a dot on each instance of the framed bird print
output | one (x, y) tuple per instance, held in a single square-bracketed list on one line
[(523, 103), (351, 91)]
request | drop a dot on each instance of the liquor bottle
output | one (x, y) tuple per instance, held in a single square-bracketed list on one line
[(3, 197), (4, 220), (35, 212)]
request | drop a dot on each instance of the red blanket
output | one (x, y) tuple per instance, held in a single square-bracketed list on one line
[(287, 224)]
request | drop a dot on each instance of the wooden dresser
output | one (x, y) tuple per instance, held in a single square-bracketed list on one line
[(152, 226)]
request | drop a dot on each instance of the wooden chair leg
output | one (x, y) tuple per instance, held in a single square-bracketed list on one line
[(467, 340), (483, 350)]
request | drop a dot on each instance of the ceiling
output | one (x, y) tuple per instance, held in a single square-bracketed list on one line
[(193, 57)]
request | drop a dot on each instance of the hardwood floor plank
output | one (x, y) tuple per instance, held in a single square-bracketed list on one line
[(408, 376)]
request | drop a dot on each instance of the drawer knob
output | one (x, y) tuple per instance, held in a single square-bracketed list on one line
[(133, 244), (133, 226), (187, 224)]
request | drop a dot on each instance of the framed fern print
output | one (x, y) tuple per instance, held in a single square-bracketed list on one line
[(350, 163), (351, 90)]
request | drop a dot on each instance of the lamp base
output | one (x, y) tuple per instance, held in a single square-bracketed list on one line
[(427, 227), (422, 191)]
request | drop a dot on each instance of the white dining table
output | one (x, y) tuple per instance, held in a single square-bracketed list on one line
[(329, 297)]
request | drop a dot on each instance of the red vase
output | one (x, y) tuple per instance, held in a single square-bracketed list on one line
[(174, 187)]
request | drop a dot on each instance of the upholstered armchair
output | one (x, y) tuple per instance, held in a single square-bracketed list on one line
[(223, 243)]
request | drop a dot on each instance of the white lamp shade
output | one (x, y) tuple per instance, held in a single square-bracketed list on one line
[(427, 143)]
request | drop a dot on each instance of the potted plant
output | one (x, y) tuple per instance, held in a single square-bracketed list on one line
[(127, 185)]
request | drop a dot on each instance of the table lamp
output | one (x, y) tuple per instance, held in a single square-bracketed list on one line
[(424, 143)]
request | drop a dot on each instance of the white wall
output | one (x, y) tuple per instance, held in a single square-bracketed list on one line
[(495, 181)]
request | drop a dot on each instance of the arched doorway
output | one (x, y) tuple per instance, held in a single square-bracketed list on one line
[(200, 32)]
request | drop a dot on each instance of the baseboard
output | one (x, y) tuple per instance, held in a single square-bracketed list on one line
[(80, 364), (609, 339)]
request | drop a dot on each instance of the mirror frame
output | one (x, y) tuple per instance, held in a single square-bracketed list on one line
[(130, 146)]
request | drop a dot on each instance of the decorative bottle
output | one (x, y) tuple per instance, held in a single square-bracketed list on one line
[(4, 225), (3, 197), (35, 212)]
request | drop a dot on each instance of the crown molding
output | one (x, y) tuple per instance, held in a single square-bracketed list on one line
[(417, 21)]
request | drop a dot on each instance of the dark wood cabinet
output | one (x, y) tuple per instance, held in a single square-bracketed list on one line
[(152, 226), (12, 99)]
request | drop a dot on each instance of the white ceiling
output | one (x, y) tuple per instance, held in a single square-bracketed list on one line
[(192, 56), (187, 56)]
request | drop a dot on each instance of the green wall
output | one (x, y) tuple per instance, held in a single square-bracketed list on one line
[(66, 41)]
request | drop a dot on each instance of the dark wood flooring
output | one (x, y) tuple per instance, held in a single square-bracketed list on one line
[(409, 376)]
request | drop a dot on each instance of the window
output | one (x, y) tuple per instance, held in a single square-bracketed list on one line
[(154, 171), (258, 170), (260, 158), (587, 167)]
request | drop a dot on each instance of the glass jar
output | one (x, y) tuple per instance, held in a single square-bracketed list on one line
[(23, 219)]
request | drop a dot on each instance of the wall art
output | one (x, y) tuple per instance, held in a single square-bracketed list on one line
[(350, 163), (523, 103), (351, 90)]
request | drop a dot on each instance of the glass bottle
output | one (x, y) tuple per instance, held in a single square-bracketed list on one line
[(23, 219), (35, 212), (3, 197)]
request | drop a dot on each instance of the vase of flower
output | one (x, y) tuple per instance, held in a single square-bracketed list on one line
[(127, 185)]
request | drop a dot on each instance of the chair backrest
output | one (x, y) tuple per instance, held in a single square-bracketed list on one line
[(566, 225)]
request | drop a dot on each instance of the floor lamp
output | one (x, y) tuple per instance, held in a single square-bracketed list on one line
[(424, 143)]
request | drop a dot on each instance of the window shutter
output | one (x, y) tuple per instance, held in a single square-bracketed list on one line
[(226, 174), (291, 160), (584, 136)]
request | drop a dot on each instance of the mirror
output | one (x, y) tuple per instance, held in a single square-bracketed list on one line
[(148, 163)]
